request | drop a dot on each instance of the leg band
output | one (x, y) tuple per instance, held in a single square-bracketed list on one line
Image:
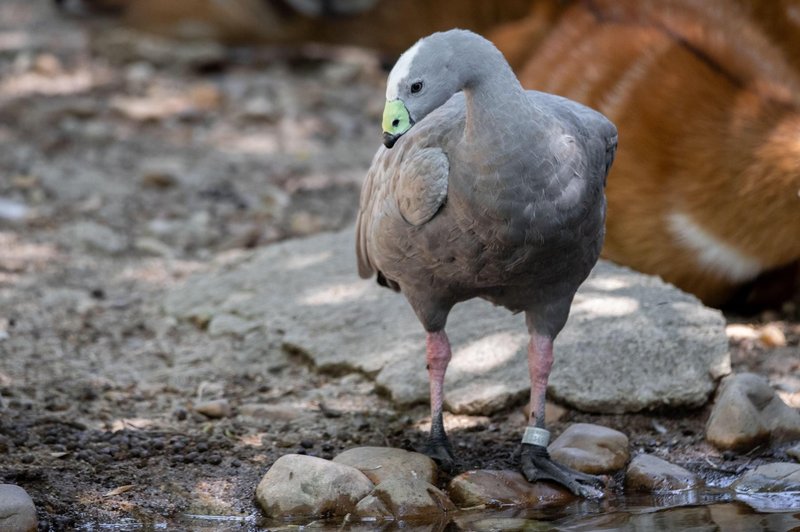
[(536, 436)]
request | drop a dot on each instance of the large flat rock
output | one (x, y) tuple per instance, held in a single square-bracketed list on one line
[(632, 341)]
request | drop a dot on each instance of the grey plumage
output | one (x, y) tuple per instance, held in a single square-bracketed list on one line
[(490, 191), (514, 214)]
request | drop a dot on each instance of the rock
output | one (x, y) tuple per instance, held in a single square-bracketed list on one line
[(772, 336), (13, 211), (650, 473), (161, 173), (591, 448), (17, 512), (92, 236), (298, 485), (47, 64), (747, 412), (739, 332), (261, 108), (152, 246), (632, 342), (230, 324), (404, 497), (215, 409), (504, 488), (382, 463), (794, 451), (272, 412), (770, 478)]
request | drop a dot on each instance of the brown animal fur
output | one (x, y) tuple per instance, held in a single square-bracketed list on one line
[(708, 110), (391, 26), (705, 93)]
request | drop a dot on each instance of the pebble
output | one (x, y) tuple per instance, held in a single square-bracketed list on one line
[(770, 478), (794, 451), (650, 473), (591, 448), (94, 237), (772, 336), (271, 412), (222, 324), (748, 412), (403, 497), (382, 463), (13, 211), (161, 174), (215, 409), (17, 511), (298, 485), (261, 108), (504, 488)]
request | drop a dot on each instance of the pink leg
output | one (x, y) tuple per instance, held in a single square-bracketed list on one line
[(540, 362), (536, 461), (438, 355)]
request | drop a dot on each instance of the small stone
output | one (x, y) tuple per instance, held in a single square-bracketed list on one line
[(372, 507), (13, 211), (747, 412), (205, 96), (794, 451), (649, 473), (139, 74), (738, 331), (17, 511), (382, 463), (215, 409), (261, 108), (770, 478), (222, 324), (94, 237), (271, 412), (153, 246), (772, 336), (159, 176), (47, 64), (504, 488), (305, 486), (591, 448), (405, 496)]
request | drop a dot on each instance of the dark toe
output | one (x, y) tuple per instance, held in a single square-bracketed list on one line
[(442, 453), (537, 465)]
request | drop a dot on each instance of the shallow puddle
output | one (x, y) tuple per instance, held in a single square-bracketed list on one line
[(685, 511)]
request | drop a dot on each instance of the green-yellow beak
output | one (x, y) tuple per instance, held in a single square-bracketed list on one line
[(396, 121)]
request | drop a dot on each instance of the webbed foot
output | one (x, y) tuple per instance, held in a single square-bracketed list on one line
[(537, 465), (439, 448)]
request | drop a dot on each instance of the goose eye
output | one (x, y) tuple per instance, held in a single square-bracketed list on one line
[(416, 87)]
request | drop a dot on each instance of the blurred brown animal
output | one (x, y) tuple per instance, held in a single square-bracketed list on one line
[(387, 25), (705, 191)]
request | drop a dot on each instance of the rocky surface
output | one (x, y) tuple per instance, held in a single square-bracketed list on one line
[(591, 448), (794, 451), (17, 511), (603, 362), (650, 473), (382, 463), (780, 477), (304, 486), (747, 412), (504, 488), (404, 497), (196, 158)]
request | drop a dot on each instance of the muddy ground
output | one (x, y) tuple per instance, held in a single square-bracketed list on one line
[(132, 163)]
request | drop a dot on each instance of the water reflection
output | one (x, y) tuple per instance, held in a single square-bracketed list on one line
[(708, 511)]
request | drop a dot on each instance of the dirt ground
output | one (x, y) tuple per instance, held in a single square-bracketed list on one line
[(126, 164)]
